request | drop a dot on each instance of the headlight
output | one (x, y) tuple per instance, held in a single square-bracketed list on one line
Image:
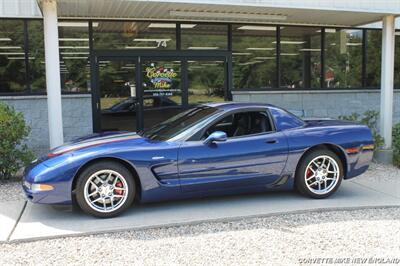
[(38, 187)]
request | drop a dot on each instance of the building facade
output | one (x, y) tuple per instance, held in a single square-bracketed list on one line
[(78, 67)]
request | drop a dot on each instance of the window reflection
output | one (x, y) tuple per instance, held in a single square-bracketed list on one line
[(37, 67), (397, 61), (204, 36), (12, 56), (300, 53), (373, 60), (74, 56), (254, 56), (343, 58), (206, 81), (134, 35)]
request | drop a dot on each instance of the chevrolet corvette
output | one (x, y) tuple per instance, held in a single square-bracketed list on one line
[(208, 150)]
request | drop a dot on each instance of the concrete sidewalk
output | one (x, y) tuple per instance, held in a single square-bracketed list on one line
[(41, 221)]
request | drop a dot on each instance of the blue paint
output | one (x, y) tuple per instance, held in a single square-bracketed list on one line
[(181, 168)]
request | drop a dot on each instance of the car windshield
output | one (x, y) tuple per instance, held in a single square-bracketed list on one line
[(178, 123)]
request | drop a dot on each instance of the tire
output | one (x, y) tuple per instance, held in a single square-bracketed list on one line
[(317, 182), (105, 189)]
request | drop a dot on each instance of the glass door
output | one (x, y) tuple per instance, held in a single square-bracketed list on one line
[(117, 91), (136, 92), (161, 88), (206, 80)]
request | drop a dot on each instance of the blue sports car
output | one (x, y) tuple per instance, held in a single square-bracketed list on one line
[(211, 149)]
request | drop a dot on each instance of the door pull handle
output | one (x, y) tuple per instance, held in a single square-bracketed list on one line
[(271, 141)]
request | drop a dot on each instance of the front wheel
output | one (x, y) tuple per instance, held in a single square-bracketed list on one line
[(319, 174), (105, 189)]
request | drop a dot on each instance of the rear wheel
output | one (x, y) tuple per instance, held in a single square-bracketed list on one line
[(105, 189), (319, 174)]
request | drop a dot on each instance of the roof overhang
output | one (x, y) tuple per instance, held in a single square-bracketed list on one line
[(301, 12)]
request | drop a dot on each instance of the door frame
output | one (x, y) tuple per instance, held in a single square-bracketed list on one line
[(137, 57)]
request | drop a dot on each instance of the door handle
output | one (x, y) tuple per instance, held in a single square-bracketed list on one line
[(271, 141)]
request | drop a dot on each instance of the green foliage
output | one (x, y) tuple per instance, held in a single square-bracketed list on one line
[(396, 145), (370, 119), (13, 153)]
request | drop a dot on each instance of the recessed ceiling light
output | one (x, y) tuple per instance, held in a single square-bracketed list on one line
[(20, 58), (76, 24), (74, 57), (150, 40), (250, 63), (310, 50), (226, 15), (354, 44), (260, 48), (74, 53), (74, 47), (251, 27), (73, 39), (11, 53), (140, 47), (10, 47), (264, 57), (203, 48), (170, 26), (328, 30), (291, 42), (241, 53)]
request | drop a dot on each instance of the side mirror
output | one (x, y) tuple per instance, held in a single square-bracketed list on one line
[(216, 136)]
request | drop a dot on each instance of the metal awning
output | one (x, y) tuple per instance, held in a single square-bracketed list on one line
[(301, 12)]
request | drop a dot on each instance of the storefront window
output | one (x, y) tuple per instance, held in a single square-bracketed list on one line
[(12, 56), (254, 57), (37, 67), (204, 37), (397, 61), (343, 58), (373, 59), (300, 57), (74, 56), (134, 35)]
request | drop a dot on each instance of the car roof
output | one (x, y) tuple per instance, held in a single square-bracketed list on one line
[(237, 105)]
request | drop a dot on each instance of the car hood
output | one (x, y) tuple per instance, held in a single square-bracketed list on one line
[(94, 140)]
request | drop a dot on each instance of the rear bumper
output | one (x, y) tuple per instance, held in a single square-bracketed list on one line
[(359, 162)]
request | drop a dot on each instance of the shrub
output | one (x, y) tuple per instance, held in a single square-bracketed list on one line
[(396, 145), (370, 119), (13, 152)]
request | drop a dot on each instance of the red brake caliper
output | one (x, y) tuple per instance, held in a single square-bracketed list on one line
[(309, 173), (119, 191)]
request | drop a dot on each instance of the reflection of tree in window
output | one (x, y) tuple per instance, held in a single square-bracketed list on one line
[(12, 56), (300, 50), (344, 57), (254, 56)]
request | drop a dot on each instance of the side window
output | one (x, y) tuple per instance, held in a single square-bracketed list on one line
[(242, 124)]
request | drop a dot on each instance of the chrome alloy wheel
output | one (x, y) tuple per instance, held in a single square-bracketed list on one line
[(322, 174), (106, 191)]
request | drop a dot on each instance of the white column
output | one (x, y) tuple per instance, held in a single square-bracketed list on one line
[(387, 73), (49, 9)]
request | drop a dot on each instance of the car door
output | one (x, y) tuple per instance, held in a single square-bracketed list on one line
[(250, 160)]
